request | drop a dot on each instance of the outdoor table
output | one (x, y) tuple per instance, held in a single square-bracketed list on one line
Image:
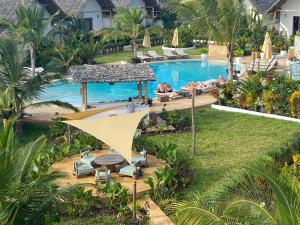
[(108, 160)]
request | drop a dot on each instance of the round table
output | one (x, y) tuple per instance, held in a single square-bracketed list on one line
[(108, 160)]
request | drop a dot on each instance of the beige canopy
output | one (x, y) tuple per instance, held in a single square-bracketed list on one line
[(116, 131), (175, 40)]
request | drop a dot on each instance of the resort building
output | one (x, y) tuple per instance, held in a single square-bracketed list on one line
[(97, 14), (283, 15)]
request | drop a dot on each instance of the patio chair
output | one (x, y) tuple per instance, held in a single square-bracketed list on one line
[(103, 175), (154, 55), (142, 158), (168, 53), (182, 54), (132, 170), (86, 157), (81, 169), (140, 55)]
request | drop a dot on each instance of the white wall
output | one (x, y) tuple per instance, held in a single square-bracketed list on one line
[(286, 17), (93, 10), (137, 4)]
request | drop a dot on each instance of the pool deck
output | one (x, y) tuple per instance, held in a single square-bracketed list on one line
[(45, 114)]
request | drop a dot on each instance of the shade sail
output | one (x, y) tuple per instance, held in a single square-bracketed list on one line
[(267, 47), (86, 114), (116, 131), (147, 41), (175, 41)]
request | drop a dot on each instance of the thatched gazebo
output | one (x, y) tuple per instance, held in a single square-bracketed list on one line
[(112, 74)]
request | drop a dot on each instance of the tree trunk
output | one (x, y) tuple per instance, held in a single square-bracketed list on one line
[(32, 58), (231, 61), (134, 49), (5, 122), (193, 123)]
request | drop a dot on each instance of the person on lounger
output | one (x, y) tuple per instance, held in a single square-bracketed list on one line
[(167, 88), (131, 105)]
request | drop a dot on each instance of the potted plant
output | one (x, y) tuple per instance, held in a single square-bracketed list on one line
[(203, 53), (238, 53)]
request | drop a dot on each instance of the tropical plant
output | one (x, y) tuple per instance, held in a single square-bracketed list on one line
[(29, 28), (164, 183), (222, 20), (7, 105), (27, 195), (263, 197), (295, 104), (252, 89), (117, 196), (22, 92), (128, 23)]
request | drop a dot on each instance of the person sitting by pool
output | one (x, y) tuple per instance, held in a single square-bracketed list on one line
[(131, 105), (160, 88), (168, 88)]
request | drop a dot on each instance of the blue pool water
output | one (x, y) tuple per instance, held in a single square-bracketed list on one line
[(175, 73)]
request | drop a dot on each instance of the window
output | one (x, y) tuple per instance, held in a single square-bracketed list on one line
[(88, 24)]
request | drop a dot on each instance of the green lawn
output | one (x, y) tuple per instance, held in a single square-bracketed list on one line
[(126, 56), (226, 142)]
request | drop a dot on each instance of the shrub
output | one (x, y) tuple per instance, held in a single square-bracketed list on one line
[(295, 104), (269, 100), (179, 120)]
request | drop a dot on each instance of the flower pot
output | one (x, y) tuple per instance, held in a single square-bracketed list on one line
[(283, 53), (204, 56)]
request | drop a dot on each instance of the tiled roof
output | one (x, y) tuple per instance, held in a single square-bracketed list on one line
[(265, 6), (111, 73), (65, 7)]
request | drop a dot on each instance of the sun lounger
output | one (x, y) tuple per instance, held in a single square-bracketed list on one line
[(168, 53), (82, 169), (182, 54), (264, 65), (154, 55), (140, 55), (132, 170)]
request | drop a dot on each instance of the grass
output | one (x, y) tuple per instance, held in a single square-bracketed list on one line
[(127, 56), (226, 142), (91, 221)]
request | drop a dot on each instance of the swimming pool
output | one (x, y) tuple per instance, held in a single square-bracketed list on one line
[(175, 73)]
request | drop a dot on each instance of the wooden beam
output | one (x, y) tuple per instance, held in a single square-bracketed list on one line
[(84, 95), (140, 90), (146, 92)]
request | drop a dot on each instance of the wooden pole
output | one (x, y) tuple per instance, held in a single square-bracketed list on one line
[(134, 200), (146, 92), (193, 123), (84, 95), (140, 90), (69, 135)]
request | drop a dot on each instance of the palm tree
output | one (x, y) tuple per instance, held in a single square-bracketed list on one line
[(22, 92), (29, 28), (262, 198), (7, 105), (128, 23), (221, 19), (28, 194)]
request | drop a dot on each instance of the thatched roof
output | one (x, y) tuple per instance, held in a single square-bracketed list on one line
[(266, 6), (111, 73)]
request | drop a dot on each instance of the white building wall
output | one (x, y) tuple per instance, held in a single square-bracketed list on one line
[(93, 10), (289, 9), (137, 4)]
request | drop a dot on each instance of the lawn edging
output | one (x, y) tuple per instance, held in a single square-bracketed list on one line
[(236, 110)]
